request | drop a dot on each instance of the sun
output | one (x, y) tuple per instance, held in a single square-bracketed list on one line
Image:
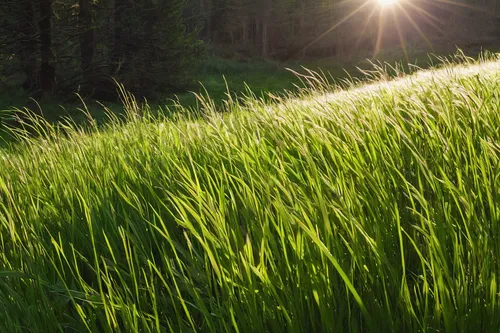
[(385, 3)]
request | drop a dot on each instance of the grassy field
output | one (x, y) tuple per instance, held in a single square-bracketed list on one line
[(217, 77), (369, 209)]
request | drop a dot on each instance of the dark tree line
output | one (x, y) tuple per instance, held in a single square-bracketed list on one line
[(149, 45), (84, 45)]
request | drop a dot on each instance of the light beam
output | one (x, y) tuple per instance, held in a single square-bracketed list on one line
[(386, 3)]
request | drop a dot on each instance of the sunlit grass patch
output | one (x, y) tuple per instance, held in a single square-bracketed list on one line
[(374, 208)]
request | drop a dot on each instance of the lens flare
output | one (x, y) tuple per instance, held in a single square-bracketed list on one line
[(385, 3)]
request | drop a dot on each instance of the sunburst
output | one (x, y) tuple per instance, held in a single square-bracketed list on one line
[(386, 3), (400, 12)]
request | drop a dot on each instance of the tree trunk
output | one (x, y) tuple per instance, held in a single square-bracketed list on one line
[(257, 29), (209, 19), (266, 12), (87, 37), (244, 34), (302, 18), (231, 37), (26, 23), (47, 70), (264, 38), (117, 47), (150, 18), (206, 12)]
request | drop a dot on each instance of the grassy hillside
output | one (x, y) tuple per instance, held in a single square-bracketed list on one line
[(217, 76), (372, 209)]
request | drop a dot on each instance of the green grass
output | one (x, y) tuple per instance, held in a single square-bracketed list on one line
[(217, 77), (370, 209)]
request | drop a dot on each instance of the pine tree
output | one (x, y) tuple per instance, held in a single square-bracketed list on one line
[(152, 49)]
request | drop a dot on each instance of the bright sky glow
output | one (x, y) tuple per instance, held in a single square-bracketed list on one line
[(385, 3)]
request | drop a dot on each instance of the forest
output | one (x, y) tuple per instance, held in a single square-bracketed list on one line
[(84, 46), (249, 166)]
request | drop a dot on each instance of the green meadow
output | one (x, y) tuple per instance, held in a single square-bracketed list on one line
[(363, 206)]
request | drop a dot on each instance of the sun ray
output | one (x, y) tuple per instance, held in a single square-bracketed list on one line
[(413, 13), (458, 4), (354, 12), (417, 28), (379, 34), (400, 35), (431, 19), (386, 3), (422, 11), (367, 22), (336, 4)]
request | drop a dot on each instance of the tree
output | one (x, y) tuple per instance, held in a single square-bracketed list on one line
[(82, 45), (87, 38), (27, 50), (151, 48), (285, 29), (264, 15), (47, 69)]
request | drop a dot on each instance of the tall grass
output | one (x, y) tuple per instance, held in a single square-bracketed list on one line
[(372, 209)]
